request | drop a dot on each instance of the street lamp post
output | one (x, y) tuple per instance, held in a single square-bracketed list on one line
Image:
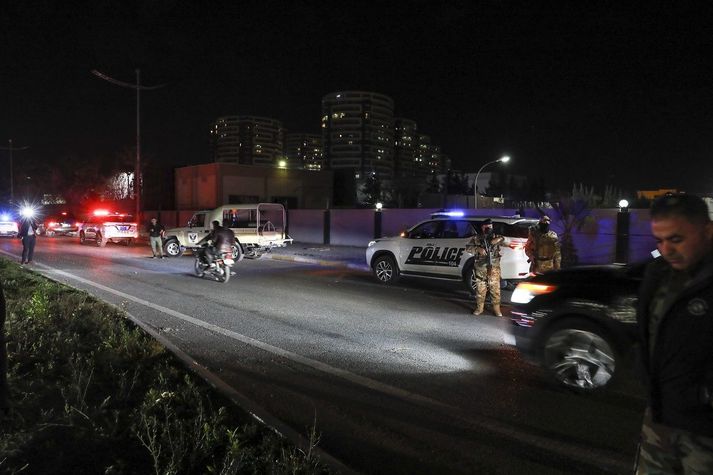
[(503, 159), (139, 88), (12, 179)]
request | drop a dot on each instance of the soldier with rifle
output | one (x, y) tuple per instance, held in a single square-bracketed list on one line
[(486, 249)]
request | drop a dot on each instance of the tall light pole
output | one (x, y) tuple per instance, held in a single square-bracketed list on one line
[(12, 180), (139, 88), (503, 159)]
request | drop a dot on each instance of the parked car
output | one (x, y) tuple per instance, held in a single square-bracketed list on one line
[(435, 249), (258, 228), (60, 224), (578, 323), (102, 227), (8, 225)]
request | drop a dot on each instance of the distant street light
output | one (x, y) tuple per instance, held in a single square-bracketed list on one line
[(623, 204), (12, 180), (503, 159), (139, 88)]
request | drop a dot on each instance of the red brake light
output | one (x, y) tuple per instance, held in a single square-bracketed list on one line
[(52, 224), (100, 212)]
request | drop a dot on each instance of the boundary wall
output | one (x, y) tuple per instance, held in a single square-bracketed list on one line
[(595, 242)]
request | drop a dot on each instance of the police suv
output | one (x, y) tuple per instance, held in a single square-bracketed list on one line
[(435, 249)]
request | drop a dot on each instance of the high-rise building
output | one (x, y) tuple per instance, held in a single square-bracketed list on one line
[(405, 148), (304, 151), (358, 132), (247, 140), (429, 158)]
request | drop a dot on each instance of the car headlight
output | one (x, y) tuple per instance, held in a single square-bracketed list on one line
[(526, 291), (371, 243)]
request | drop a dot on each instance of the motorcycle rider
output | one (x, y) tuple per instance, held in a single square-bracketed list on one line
[(220, 241)]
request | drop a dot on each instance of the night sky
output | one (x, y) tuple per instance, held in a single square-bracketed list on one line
[(594, 92)]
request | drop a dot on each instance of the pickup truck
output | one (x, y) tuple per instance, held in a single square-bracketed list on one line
[(257, 227)]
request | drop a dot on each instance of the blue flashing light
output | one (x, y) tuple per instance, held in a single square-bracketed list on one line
[(454, 214), (4, 217)]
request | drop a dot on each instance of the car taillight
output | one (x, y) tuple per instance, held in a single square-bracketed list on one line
[(52, 224), (526, 291)]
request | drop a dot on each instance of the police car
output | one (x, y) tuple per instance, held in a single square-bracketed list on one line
[(435, 249)]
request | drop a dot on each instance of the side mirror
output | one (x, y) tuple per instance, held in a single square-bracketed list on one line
[(190, 223)]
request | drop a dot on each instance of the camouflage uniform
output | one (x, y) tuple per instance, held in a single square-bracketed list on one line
[(543, 250), (665, 450), (487, 272)]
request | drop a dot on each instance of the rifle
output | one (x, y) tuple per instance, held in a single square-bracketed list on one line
[(486, 242)]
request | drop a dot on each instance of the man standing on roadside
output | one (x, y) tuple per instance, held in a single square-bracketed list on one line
[(156, 233), (486, 249), (542, 247), (675, 322), (28, 234)]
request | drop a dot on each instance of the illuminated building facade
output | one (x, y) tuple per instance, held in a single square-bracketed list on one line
[(358, 132), (247, 140), (304, 151)]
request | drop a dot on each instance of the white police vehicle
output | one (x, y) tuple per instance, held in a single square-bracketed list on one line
[(435, 249)]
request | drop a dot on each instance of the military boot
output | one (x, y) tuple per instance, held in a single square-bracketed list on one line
[(496, 310), (479, 306)]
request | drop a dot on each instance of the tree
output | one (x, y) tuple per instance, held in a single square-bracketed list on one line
[(571, 213), (371, 190)]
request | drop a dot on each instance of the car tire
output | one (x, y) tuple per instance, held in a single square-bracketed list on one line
[(99, 240), (580, 355), (172, 248), (469, 277), (385, 269)]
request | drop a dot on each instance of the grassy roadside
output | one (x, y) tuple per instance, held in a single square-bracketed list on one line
[(92, 393)]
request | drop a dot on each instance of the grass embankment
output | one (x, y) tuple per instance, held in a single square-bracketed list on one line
[(93, 394)]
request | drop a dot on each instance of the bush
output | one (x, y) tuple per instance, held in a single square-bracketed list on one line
[(92, 393)]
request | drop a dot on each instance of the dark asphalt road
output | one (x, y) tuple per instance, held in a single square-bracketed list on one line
[(396, 379)]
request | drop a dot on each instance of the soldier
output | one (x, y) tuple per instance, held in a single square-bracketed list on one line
[(543, 247), (486, 249)]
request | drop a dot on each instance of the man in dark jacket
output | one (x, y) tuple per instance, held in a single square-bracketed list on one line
[(222, 240), (28, 234), (675, 318)]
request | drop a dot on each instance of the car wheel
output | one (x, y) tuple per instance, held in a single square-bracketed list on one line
[(172, 248), (469, 277), (385, 269), (99, 240), (82, 238), (580, 355)]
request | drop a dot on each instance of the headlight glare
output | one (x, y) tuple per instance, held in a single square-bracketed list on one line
[(526, 291)]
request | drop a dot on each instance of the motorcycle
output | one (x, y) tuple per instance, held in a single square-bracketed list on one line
[(218, 268)]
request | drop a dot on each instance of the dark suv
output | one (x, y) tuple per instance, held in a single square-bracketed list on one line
[(578, 323)]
